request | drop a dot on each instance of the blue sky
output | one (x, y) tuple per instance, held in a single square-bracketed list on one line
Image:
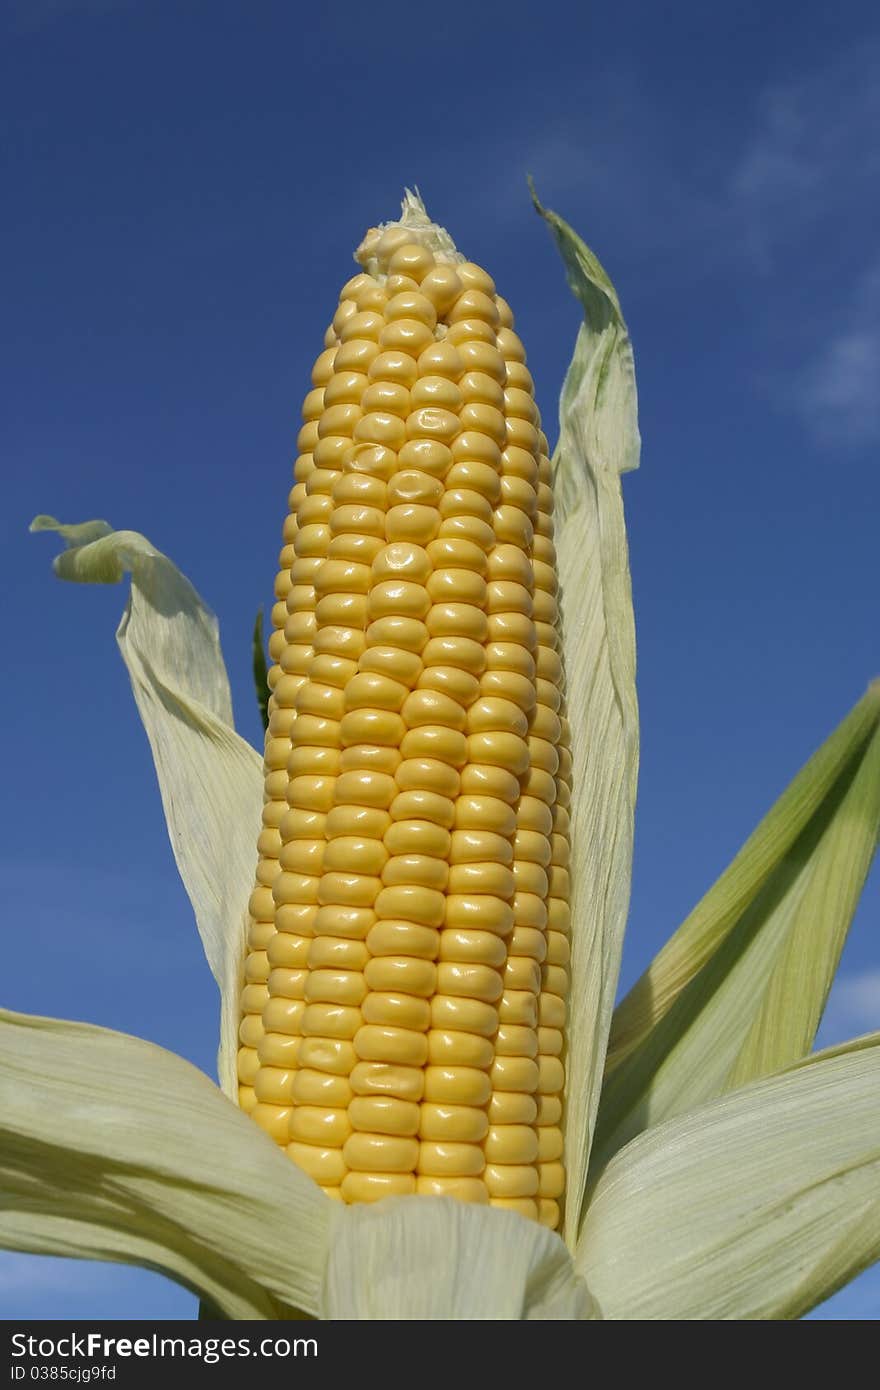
[(185, 183)]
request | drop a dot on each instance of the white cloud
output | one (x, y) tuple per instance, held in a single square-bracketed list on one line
[(813, 156), (838, 391)]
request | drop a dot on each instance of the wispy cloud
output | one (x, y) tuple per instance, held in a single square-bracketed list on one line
[(838, 391), (813, 155)]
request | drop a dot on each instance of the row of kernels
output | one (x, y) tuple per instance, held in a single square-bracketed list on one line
[(284, 686), (318, 1008)]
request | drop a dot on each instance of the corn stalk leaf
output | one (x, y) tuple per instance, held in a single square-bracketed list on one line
[(114, 1149), (739, 990), (210, 779), (261, 677), (759, 1205), (599, 440)]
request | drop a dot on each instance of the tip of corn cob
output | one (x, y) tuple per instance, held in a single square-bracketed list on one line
[(414, 224)]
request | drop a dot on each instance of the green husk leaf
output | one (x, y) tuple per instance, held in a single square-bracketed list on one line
[(210, 779), (739, 990), (261, 679), (757, 1206), (599, 440)]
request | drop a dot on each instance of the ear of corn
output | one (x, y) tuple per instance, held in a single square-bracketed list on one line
[(404, 1000)]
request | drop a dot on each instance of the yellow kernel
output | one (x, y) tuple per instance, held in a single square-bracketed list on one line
[(462, 1189), (449, 1048), (427, 774), (280, 1049), (384, 1115), (393, 974), (450, 1159), (348, 889), (467, 946), (464, 1015), (325, 1165), (424, 905), (338, 920), (394, 366), (284, 1014), (423, 805), (451, 1085), (364, 789), (514, 1074), (274, 1119), (511, 1144), (481, 878), (551, 1179), (387, 1079), (410, 335), (323, 368), (417, 837), (330, 1021), (459, 685), (441, 359), (411, 259), (512, 1108), (482, 388), (479, 356), (412, 522), (417, 870), (529, 940), (437, 391), (453, 1123), (402, 667), (360, 521), (457, 620), (442, 286), (469, 981), (399, 937), (487, 420), (411, 305), (550, 1143), (433, 422), (251, 1030), (432, 707), (289, 952), (382, 1153), (549, 1110), (272, 1085), (367, 690), (516, 1040), (346, 987), (394, 1010), (552, 1011), (249, 1066), (437, 741), (548, 1213), (369, 757), (335, 1055), (510, 345), (312, 1124), (321, 1089), (428, 456), (467, 527), (374, 1187), (521, 972), (512, 1181)]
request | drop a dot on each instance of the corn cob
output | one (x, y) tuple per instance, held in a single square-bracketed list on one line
[(405, 987)]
